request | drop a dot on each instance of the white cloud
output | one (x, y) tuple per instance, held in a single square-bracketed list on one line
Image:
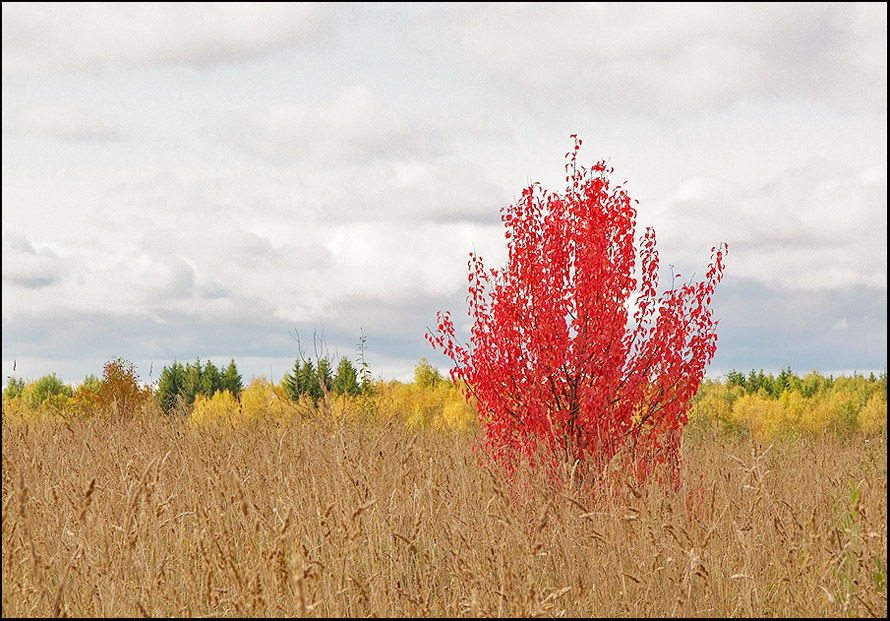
[(38, 36), (354, 124), (64, 122), (677, 57), (819, 227), (393, 261)]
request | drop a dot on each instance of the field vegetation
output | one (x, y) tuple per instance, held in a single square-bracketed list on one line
[(380, 502)]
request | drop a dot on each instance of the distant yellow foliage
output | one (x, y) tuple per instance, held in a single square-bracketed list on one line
[(873, 417), (846, 406), (260, 402), (440, 406), (222, 407), (759, 413)]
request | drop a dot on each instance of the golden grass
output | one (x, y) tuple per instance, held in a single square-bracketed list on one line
[(152, 517)]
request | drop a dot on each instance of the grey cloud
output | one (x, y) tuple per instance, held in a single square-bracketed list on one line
[(428, 191), (214, 290), (395, 328), (25, 266), (239, 273), (81, 342), (827, 331), (91, 277), (181, 276), (222, 246), (77, 343)]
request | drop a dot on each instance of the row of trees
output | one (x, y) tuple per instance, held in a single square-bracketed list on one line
[(813, 404), (429, 402), (118, 391), (180, 384), (185, 382), (316, 381), (808, 385)]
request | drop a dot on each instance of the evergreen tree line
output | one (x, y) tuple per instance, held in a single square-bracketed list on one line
[(313, 380), (808, 385), (185, 382)]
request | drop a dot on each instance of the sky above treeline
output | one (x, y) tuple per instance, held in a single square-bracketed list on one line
[(217, 181)]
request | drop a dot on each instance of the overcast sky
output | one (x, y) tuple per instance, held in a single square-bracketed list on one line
[(201, 180)]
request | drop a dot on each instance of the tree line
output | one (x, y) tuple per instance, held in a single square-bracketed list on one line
[(180, 383), (786, 380)]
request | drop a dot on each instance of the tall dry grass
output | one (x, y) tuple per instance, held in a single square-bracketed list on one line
[(148, 517)]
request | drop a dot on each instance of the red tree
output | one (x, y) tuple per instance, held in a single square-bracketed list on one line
[(571, 356)]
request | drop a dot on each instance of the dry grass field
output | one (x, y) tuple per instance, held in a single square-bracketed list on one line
[(151, 517)]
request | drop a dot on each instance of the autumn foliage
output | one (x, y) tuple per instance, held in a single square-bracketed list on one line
[(576, 359)]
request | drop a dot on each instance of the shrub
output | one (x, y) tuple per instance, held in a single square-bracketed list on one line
[(120, 393), (14, 388), (45, 389)]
